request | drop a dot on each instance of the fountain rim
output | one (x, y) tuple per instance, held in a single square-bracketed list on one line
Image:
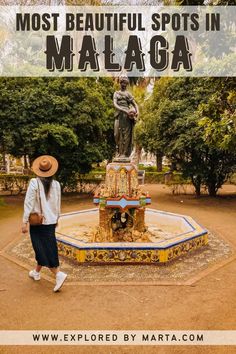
[(196, 232)]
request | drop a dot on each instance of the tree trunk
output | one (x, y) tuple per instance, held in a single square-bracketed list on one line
[(197, 181), (25, 162), (138, 152), (159, 156), (4, 160), (173, 166), (30, 161), (212, 190), (198, 190)]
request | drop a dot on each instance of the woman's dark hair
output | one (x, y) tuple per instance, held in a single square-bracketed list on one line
[(46, 181)]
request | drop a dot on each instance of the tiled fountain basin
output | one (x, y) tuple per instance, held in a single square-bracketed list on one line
[(174, 235)]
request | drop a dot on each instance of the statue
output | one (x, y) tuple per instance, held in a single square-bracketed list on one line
[(125, 118)]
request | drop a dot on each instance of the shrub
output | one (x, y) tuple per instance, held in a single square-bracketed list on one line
[(232, 179), (14, 183)]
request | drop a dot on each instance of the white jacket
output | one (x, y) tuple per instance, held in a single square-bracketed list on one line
[(51, 207)]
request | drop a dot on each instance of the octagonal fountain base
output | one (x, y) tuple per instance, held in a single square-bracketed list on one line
[(171, 236)]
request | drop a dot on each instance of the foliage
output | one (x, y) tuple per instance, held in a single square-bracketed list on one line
[(222, 2), (14, 183), (200, 2), (84, 183), (232, 179), (69, 118), (193, 129), (218, 116), (147, 168), (162, 178), (189, 2)]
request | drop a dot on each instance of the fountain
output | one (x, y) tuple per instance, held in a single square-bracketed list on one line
[(121, 229)]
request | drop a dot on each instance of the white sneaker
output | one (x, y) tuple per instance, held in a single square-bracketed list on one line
[(35, 275), (60, 278)]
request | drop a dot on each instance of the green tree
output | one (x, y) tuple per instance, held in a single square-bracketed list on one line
[(174, 122), (218, 115), (147, 132), (223, 2), (69, 118)]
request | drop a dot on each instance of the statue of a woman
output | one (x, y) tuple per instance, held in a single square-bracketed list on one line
[(125, 117)]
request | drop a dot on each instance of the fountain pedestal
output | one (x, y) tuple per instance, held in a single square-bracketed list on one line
[(121, 205)]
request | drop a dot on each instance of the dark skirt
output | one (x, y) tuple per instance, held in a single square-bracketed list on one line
[(45, 245)]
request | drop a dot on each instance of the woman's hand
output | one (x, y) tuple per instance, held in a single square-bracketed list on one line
[(24, 228)]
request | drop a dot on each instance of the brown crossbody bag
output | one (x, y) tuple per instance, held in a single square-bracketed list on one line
[(37, 218)]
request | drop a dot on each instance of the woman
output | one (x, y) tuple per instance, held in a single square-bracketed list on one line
[(43, 198), (125, 117)]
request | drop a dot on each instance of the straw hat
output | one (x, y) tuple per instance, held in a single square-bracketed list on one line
[(45, 166)]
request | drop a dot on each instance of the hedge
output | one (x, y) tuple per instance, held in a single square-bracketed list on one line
[(86, 183), (232, 179), (14, 183)]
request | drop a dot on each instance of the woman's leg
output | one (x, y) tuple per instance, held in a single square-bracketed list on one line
[(38, 268), (54, 270)]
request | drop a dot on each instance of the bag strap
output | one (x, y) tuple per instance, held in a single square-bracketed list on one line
[(40, 202)]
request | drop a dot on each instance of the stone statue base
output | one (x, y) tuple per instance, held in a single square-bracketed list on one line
[(122, 159), (121, 205)]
